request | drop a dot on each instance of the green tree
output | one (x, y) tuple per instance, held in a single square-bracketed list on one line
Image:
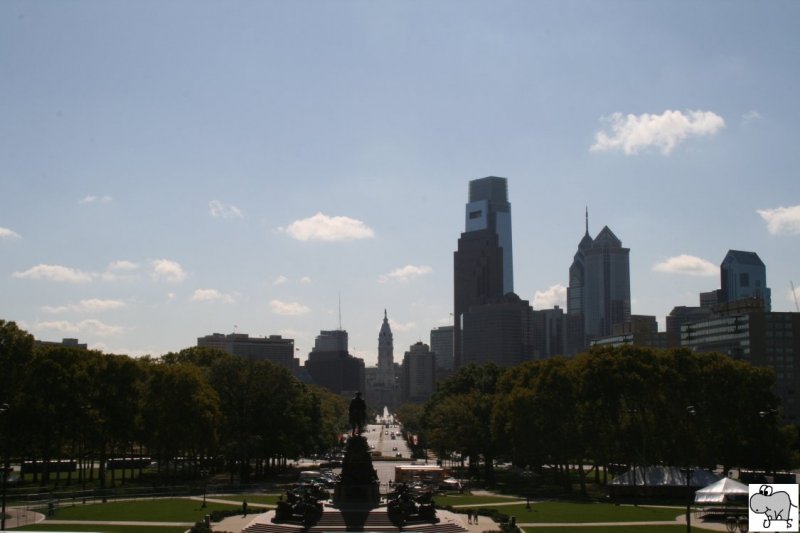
[(473, 388)]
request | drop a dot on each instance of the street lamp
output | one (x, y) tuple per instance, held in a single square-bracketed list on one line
[(690, 412), (4, 407), (204, 473)]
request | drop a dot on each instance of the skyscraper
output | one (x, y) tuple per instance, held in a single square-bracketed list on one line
[(482, 265), (599, 292), (607, 286), (743, 275)]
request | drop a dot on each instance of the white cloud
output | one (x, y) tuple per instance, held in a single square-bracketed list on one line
[(166, 270), (92, 305), (6, 233), (406, 273), (751, 116), (400, 327), (92, 199), (288, 308), (305, 280), (325, 228), (119, 270), (220, 210), (632, 133), (782, 219), (556, 295), (122, 265), (89, 326), (280, 280), (688, 265), (55, 273), (212, 295)]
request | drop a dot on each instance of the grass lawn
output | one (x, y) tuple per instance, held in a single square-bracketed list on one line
[(252, 499), (468, 499), (584, 512), (103, 529), (166, 510)]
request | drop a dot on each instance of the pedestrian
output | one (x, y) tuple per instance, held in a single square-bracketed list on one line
[(244, 507), (475, 518), (469, 516)]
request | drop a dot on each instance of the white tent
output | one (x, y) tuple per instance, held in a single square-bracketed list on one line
[(726, 490)]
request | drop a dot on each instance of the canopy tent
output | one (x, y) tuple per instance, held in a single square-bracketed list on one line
[(659, 476), (726, 490)]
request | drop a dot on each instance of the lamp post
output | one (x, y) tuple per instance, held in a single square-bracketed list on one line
[(4, 407), (690, 412), (204, 473)]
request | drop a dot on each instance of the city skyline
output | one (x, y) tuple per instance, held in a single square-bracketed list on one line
[(169, 171)]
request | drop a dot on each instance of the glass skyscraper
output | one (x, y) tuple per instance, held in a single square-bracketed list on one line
[(482, 265)]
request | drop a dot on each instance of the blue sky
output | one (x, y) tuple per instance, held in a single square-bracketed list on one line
[(173, 169)]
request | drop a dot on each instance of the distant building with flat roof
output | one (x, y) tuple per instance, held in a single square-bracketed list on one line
[(274, 348), (69, 343)]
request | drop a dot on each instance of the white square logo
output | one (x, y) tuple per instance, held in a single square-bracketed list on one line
[(773, 507)]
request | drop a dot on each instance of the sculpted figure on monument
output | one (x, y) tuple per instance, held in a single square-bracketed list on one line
[(358, 414)]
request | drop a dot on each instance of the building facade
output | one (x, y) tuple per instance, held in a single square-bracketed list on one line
[(742, 276), (483, 264), (330, 365), (419, 374), (599, 291), (764, 339), (274, 348), (549, 332), (442, 346), (500, 332)]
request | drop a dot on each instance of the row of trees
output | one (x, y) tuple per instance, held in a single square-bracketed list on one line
[(627, 405), (68, 403)]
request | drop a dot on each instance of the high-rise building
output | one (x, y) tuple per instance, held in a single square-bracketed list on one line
[(499, 332), (331, 366), (482, 265), (599, 292), (768, 339), (743, 276), (274, 348), (382, 385), (419, 374), (442, 346), (549, 330)]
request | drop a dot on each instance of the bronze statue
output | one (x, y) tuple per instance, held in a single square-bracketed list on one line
[(358, 415)]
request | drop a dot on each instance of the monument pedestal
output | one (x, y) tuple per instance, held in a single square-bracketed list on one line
[(359, 481)]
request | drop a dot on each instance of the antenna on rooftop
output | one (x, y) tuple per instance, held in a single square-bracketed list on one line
[(794, 294), (340, 311)]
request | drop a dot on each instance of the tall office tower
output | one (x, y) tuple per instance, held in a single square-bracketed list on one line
[(599, 292), (607, 296), (331, 341), (386, 351), (499, 331), (575, 336), (419, 374), (442, 346), (482, 265), (743, 275), (330, 366)]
